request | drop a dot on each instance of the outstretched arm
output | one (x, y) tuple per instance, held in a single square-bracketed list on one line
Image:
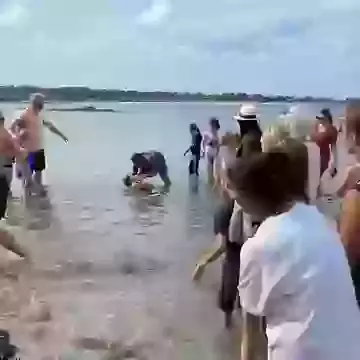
[(55, 130)]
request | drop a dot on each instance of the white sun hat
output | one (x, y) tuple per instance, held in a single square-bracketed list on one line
[(246, 112)]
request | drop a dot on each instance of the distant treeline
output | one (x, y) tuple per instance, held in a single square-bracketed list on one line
[(79, 93)]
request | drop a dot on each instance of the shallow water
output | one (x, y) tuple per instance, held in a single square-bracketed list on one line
[(116, 268)]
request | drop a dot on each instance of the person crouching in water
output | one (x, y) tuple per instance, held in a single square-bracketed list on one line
[(149, 164), (195, 149)]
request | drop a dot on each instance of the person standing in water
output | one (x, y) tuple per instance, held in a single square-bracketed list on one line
[(34, 143), (149, 164), (211, 145), (195, 149), (325, 135), (8, 150)]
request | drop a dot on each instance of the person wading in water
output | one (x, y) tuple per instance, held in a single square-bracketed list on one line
[(211, 145), (31, 119), (194, 149), (325, 135)]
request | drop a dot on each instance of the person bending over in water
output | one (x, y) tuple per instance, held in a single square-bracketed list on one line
[(149, 164)]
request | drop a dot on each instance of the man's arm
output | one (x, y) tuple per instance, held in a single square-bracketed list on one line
[(14, 125), (55, 130)]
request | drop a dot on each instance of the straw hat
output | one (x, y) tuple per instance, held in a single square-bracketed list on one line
[(246, 112)]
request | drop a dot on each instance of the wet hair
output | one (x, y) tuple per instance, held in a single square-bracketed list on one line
[(326, 115), (214, 123), (127, 181), (194, 127), (275, 135), (269, 180), (352, 120)]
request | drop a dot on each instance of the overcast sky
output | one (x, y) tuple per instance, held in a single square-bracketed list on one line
[(258, 46)]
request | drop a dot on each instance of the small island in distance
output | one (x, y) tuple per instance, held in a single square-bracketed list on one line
[(12, 93)]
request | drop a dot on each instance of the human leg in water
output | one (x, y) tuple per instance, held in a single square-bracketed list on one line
[(37, 165), (194, 165), (229, 281), (7, 240), (160, 167), (210, 160)]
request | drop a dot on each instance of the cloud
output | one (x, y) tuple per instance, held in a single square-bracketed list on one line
[(11, 13), (155, 13), (278, 46)]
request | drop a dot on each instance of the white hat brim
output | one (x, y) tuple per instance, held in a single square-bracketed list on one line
[(240, 118)]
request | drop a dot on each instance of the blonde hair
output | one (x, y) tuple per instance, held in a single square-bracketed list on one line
[(279, 138), (300, 127), (275, 135)]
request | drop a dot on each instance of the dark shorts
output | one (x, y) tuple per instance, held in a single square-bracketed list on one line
[(37, 161), (4, 192)]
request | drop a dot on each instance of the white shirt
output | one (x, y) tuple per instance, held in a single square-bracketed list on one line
[(295, 272)]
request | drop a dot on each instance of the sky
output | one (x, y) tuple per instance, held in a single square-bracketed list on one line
[(290, 47)]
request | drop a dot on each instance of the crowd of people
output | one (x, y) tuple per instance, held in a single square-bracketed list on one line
[(292, 270), (294, 275)]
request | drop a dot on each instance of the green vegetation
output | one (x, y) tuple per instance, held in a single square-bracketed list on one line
[(79, 93)]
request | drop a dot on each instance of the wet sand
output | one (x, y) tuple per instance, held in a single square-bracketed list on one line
[(114, 285)]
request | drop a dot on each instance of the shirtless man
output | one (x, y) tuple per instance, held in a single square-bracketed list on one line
[(34, 143)]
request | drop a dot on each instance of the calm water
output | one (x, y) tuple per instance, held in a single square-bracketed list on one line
[(117, 267)]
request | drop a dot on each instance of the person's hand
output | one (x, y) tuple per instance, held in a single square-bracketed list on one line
[(199, 271)]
